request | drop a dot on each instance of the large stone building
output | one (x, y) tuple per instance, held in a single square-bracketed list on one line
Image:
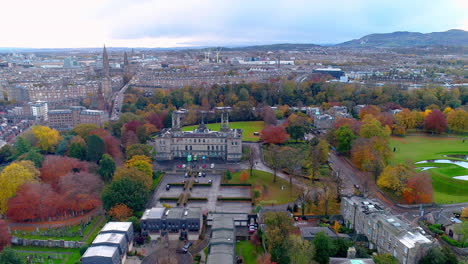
[(173, 143), (175, 222), (385, 232), (66, 119)]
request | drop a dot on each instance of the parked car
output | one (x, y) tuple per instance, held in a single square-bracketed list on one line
[(187, 246), (212, 165), (204, 174), (200, 174), (210, 181), (251, 229), (168, 187)]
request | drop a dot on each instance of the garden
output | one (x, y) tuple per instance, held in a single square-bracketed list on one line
[(425, 149)]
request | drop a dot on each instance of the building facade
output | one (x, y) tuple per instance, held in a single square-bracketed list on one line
[(173, 143), (66, 119), (385, 232)]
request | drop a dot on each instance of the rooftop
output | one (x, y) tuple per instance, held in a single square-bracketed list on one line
[(154, 213), (112, 238), (100, 251), (117, 226)]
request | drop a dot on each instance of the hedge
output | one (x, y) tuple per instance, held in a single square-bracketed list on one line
[(169, 198), (453, 242), (234, 199), (202, 184), (436, 229), (236, 184), (198, 199), (176, 184), (181, 199)]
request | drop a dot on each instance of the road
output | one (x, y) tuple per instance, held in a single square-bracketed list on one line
[(118, 101)]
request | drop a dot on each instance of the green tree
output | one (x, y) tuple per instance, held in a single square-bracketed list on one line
[(106, 167), (125, 191), (301, 251), (83, 130), (34, 156), (373, 128), (439, 256), (9, 256), (344, 137), (136, 223), (138, 149), (341, 246), (95, 148), (77, 151), (7, 153), (296, 132), (323, 248), (278, 228), (22, 146), (385, 259), (228, 175)]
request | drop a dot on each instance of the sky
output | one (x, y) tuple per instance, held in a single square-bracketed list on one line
[(184, 23)]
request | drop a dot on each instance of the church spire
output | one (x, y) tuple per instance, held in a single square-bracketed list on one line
[(125, 59), (105, 63)]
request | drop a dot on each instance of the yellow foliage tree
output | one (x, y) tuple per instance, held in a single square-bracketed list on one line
[(395, 177), (457, 120), (134, 174), (12, 177), (142, 163), (406, 119), (464, 213), (336, 227), (47, 138)]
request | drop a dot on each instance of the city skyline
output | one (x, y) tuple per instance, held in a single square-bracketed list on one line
[(161, 24)]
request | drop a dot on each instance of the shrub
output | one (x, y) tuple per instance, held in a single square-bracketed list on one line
[(436, 228)]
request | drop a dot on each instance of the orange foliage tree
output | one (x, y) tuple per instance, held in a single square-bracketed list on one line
[(418, 189), (244, 176), (120, 212), (274, 134), (55, 167)]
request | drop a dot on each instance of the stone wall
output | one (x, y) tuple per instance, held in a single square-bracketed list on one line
[(46, 243)]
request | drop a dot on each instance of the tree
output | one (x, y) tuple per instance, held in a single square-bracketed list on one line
[(385, 258), (77, 151), (55, 167), (47, 138), (95, 148), (373, 128), (244, 176), (138, 149), (435, 255), (125, 191), (336, 227), (345, 137), (228, 175), (142, 163), (297, 125), (406, 119), (273, 158), (9, 256), (265, 258), (435, 122), (135, 175), (120, 212), (464, 213), (323, 248), (34, 156), (274, 135), (12, 177), (458, 120), (268, 116), (22, 146), (341, 246), (419, 189), (278, 227), (371, 110), (301, 251), (462, 230), (5, 236), (395, 177), (83, 130), (106, 167), (7, 153)]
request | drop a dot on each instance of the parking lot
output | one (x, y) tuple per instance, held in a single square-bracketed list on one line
[(211, 193)]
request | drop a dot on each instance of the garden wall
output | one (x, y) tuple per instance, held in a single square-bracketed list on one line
[(46, 243)]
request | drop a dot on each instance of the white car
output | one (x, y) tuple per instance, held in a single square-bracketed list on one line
[(212, 165)]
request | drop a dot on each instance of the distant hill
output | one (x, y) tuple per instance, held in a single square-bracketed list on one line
[(272, 47), (453, 37)]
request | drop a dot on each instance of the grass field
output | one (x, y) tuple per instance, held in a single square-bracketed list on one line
[(248, 128), (248, 251), (68, 255), (271, 193), (420, 148)]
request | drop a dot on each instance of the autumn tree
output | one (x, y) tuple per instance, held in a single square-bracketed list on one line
[(268, 116), (5, 236), (83, 130), (298, 125), (278, 228), (12, 177), (373, 128), (435, 122), (47, 138), (274, 135), (142, 163), (55, 167), (120, 212), (370, 110), (125, 191), (323, 248), (133, 174), (95, 148), (138, 149), (106, 167), (457, 120), (344, 137), (301, 251), (394, 178), (244, 176), (406, 119), (419, 189)]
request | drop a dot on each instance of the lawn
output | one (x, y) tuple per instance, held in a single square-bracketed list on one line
[(248, 251), (248, 128), (68, 255), (271, 193), (420, 148), (71, 233)]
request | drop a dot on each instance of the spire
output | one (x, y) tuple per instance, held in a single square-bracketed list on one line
[(105, 63), (125, 59)]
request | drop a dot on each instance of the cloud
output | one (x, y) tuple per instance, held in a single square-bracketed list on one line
[(163, 23)]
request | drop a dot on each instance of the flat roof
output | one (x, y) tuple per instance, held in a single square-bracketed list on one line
[(153, 213), (175, 213), (223, 222), (117, 226), (220, 258), (113, 238), (100, 251)]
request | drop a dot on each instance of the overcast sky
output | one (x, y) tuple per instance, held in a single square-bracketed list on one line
[(176, 23)]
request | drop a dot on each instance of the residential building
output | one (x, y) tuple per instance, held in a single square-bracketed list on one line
[(385, 232), (175, 222), (324, 121), (334, 72), (39, 110), (67, 119), (173, 143), (222, 247)]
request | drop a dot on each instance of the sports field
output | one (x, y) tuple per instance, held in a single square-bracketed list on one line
[(248, 128), (422, 148)]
